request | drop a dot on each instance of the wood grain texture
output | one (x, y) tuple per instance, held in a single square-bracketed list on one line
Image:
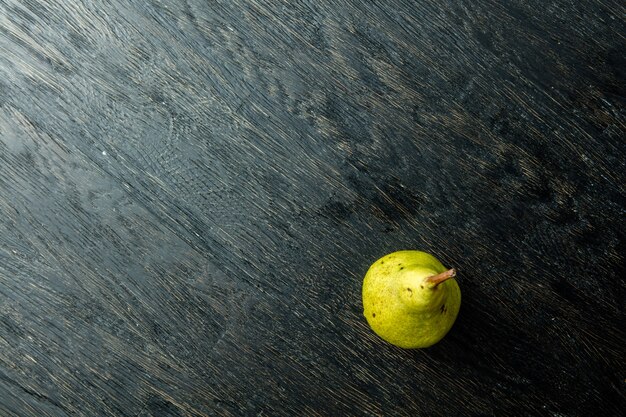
[(191, 192)]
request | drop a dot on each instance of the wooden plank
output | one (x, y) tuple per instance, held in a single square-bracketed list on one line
[(191, 193)]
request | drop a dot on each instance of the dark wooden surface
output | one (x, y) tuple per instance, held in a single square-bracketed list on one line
[(191, 192)]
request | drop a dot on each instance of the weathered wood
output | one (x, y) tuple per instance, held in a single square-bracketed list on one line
[(191, 192)]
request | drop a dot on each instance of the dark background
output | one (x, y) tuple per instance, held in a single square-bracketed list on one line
[(192, 191)]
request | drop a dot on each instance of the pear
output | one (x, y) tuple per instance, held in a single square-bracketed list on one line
[(410, 299)]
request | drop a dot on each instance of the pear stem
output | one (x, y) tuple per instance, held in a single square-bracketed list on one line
[(439, 278)]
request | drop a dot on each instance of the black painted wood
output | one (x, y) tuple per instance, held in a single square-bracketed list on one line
[(191, 192)]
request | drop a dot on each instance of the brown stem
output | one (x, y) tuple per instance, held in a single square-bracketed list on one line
[(439, 278)]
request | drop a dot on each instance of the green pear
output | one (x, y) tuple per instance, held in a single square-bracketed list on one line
[(410, 299)]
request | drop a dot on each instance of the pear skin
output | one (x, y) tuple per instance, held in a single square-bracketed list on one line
[(410, 299)]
